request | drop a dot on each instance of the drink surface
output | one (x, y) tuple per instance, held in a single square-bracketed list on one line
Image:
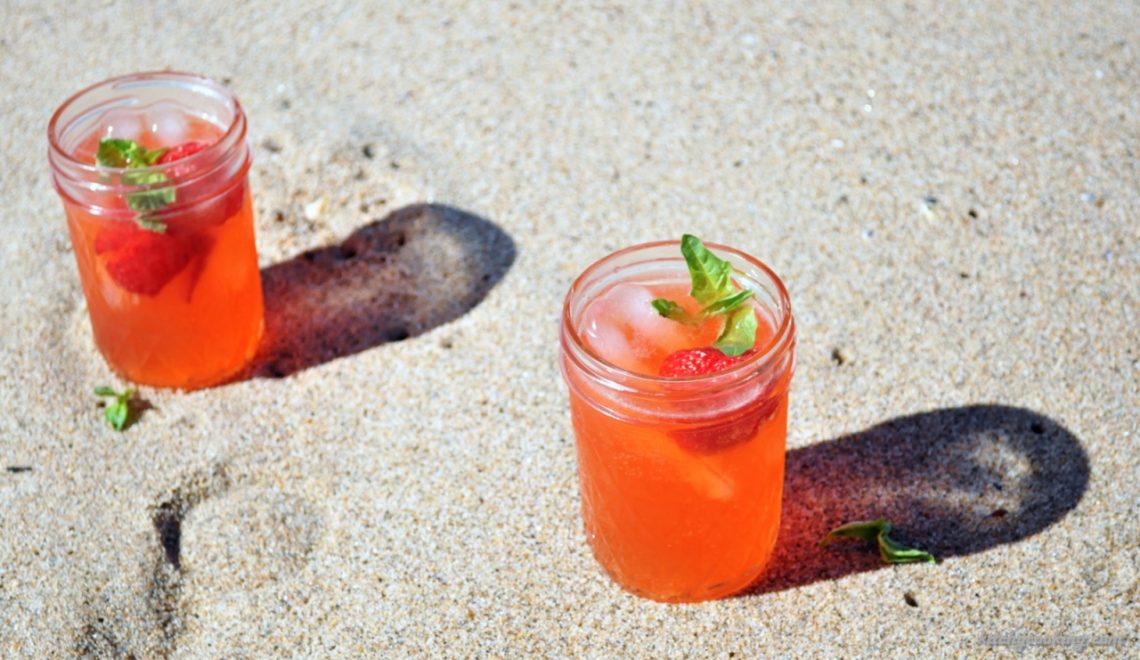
[(176, 308), (681, 499), (621, 327)]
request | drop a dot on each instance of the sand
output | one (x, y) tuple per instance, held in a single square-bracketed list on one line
[(949, 192)]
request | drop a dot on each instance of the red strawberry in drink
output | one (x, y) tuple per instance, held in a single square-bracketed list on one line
[(174, 208), (114, 236), (725, 432), (199, 213), (697, 362), (142, 261), (178, 153)]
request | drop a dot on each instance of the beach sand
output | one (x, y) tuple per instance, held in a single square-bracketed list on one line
[(949, 192)]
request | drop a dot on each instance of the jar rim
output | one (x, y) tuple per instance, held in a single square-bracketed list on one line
[(78, 169), (624, 379)]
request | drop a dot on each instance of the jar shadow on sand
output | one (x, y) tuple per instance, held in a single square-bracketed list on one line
[(394, 278), (954, 482)]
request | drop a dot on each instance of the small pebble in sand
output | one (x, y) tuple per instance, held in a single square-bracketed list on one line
[(314, 209)]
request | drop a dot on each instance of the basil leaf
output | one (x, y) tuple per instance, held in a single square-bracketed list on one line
[(725, 305), (118, 412), (146, 223), (151, 156), (711, 276), (675, 312), (862, 530), (890, 550), (147, 200), (712, 287), (116, 415), (739, 334), (117, 152), (893, 552)]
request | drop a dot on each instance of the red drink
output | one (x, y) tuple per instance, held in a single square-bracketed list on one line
[(165, 250), (681, 478)]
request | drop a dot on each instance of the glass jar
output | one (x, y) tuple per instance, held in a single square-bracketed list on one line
[(681, 478), (165, 243)]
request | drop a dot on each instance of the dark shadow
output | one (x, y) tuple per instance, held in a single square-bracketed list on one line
[(136, 409), (394, 278), (953, 482)]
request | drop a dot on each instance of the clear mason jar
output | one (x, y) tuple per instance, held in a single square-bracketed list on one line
[(165, 249), (681, 479)]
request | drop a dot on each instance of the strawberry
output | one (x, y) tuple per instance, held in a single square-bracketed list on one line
[(114, 236), (142, 261), (726, 433), (721, 434), (697, 362), (181, 151), (144, 256), (174, 154), (200, 214)]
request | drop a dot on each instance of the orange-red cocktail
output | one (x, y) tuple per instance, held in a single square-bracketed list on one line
[(681, 475), (164, 243)]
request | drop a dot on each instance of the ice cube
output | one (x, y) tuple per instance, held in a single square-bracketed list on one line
[(122, 124), (167, 121), (709, 478), (632, 305), (624, 329), (606, 339)]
